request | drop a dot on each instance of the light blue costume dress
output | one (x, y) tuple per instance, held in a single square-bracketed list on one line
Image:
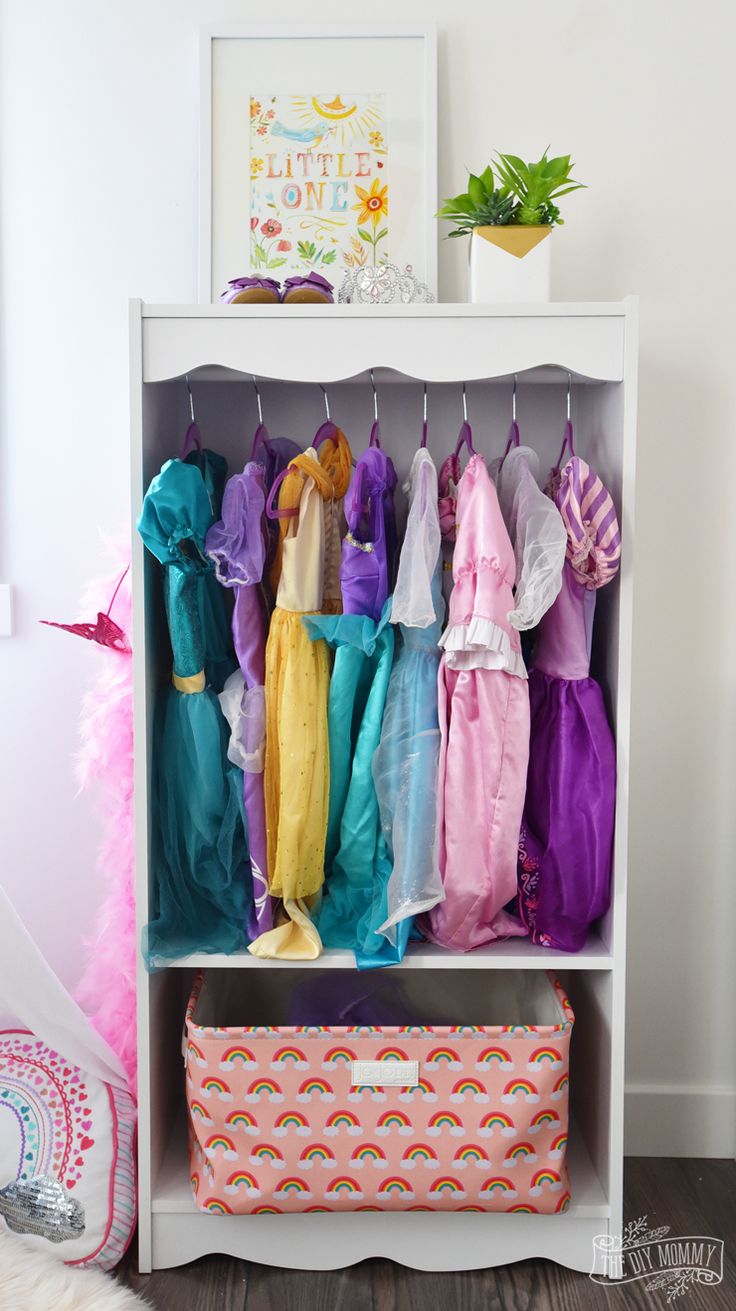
[(406, 762), (363, 641), (201, 897)]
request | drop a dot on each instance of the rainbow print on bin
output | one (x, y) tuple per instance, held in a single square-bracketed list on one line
[(496, 1057), (292, 1122), (216, 1206), (558, 1147), (560, 1088), (218, 1142), (446, 1122), (294, 1188), (546, 1119), (317, 1154), (443, 1058), (369, 1090), (448, 1186), (368, 1154), (319, 1088), (241, 1179), (519, 1152), (471, 1154), (545, 1179), (497, 1186), (238, 1057), (469, 1088), (497, 1122), (195, 1054), (394, 1122), (265, 1088), (548, 1056), (343, 1122), (214, 1087), (420, 1154), (520, 1089), (267, 1154), (242, 1122), (395, 1187), (339, 1056), (342, 1188), (199, 1109), (292, 1056), (423, 1090)]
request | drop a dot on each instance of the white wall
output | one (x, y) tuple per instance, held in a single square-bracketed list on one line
[(99, 190)]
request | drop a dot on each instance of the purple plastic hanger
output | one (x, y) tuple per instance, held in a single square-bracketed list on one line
[(272, 511), (192, 436), (567, 440), (514, 436), (327, 431), (465, 436), (375, 437)]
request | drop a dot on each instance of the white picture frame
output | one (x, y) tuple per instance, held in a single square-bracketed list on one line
[(397, 65)]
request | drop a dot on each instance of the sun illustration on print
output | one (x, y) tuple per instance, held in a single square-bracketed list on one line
[(319, 190)]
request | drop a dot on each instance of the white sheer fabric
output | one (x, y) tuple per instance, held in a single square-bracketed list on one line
[(537, 532), (413, 604), (245, 712)]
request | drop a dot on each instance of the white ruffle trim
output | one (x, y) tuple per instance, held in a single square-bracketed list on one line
[(481, 644)]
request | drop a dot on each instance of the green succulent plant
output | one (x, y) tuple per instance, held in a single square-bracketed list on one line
[(537, 186), (508, 191), (480, 206)]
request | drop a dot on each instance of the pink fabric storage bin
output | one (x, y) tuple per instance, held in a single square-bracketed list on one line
[(473, 1118)]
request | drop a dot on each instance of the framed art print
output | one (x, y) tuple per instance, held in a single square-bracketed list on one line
[(318, 153)]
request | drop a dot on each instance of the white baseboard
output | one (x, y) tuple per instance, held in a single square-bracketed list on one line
[(691, 1120)]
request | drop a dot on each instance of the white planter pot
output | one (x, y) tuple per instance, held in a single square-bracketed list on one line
[(510, 264)]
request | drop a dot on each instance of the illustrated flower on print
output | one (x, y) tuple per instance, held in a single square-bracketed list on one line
[(262, 130), (372, 204), (253, 222), (284, 245), (270, 228), (255, 108), (255, 167), (375, 139)]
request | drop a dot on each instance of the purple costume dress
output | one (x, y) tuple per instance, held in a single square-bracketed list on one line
[(564, 869)]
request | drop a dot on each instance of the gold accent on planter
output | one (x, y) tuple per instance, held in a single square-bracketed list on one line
[(516, 240)]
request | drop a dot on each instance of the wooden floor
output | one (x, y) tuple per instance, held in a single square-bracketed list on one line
[(693, 1197)]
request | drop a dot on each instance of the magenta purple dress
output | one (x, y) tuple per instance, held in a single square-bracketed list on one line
[(564, 868), (237, 547)]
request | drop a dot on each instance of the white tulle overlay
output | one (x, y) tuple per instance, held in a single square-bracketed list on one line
[(481, 644), (413, 604), (245, 712), (538, 533)]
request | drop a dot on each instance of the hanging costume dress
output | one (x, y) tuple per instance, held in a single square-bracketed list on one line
[(237, 547), (363, 642), (567, 834), (406, 761), (297, 679), (538, 535), (484, 726), (199, 851)]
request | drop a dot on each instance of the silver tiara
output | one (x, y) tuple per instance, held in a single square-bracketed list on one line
[(383, 284)]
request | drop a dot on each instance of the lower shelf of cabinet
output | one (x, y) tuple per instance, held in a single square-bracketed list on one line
[(514, 953), (176, 1233)]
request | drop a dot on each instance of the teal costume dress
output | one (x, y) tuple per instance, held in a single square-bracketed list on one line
[(200, 899), (363, 641)]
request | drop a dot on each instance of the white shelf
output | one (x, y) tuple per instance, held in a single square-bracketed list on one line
[(513, 954), (172, 1192)]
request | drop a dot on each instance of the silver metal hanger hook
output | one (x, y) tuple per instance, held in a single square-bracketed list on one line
[(375, 397), (191, 397), (569, 389), (424, 405), (513, 399), (465, 405), (258, 398), (327, 403)]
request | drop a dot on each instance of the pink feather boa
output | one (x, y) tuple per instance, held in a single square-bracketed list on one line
[(107, 988)]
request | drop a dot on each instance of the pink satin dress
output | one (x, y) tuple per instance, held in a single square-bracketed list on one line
[(483, 699)]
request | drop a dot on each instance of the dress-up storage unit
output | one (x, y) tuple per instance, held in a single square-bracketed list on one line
[(290, 349)]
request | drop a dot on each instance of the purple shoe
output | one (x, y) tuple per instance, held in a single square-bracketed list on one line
[(251, 291), (313, 290)]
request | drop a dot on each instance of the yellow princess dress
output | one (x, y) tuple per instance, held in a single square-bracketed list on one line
[(297, 682)]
